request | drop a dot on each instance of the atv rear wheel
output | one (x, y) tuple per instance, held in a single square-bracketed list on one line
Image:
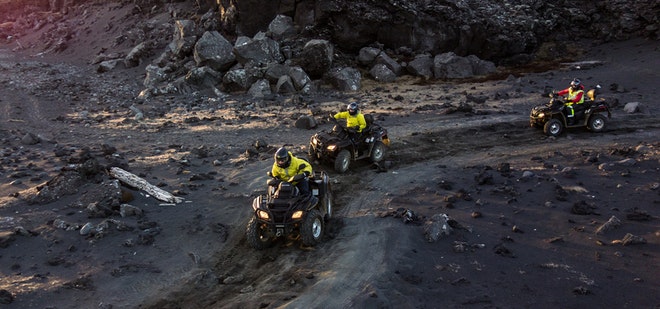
[(553, 127), (377, 152), (596, 123), (311, 229), (342, 161), (257, 236)]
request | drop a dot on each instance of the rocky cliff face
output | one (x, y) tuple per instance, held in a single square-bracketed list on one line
[(491, 30), (288, 46)]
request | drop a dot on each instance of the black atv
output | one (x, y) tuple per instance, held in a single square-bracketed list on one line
[(552, 118), (340, 146), (284, 212)]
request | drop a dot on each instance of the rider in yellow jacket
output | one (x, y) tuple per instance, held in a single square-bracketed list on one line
[(354, 118), (287, 167)]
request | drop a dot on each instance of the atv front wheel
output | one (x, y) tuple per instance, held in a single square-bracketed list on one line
[(553, 127), (257, 236), (596, 123), (311, 229), (377, 152), (342, 161)]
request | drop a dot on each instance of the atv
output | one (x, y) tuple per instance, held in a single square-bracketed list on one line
[(340, 146), (552, 118), (284, 212)]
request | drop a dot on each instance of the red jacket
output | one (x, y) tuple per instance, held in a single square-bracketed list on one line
[(573, 96)]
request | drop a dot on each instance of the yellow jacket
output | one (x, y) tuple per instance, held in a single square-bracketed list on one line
[(293, 169), (572, 96), (352, 121)]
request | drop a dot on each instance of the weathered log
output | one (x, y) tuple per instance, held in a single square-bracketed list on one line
[(139, 183), (583, 65)]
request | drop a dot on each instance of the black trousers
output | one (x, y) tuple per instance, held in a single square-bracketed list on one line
[(303, 187)]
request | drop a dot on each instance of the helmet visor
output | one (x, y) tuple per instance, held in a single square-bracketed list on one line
[(575, 83)]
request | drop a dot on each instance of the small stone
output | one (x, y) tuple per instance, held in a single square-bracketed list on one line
[(86, 229), (6, 297)]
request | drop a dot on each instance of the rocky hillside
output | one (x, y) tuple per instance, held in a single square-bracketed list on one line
[(217, 48), (491, 30)]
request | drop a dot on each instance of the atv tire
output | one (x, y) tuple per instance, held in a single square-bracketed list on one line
[(377, 152), (343, 161), (311, 229), (553, 127), (596, 123), (257, 237)]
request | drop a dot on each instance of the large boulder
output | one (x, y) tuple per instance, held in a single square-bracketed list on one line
[(204, 76), (260, 89), (345, 78), (390, 63), (241, 78), (300, 79), (185, 36), (260, 49), (367, 55), (450, 65), (214, 51), (382, 73), (421, 66), (316, 57), (481, 67), (282, 27)]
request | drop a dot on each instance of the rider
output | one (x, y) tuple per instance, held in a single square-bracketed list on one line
[(355, 121), (574, 95), (289, 168)]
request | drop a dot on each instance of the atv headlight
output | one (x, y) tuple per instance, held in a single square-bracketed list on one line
[(540, 115), (263, 215), (332, 148), (297, 215)]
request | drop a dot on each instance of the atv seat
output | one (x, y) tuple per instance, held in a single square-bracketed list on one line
[(591, 94), (369, 119)]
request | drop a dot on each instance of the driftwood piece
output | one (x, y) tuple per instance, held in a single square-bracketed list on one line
[(137, 182), (583, 65)]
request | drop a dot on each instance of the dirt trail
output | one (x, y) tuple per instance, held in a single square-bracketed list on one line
[(526, 247)]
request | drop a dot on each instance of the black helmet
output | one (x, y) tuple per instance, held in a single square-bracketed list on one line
[(282, 158), (352, 108), (575, 83)]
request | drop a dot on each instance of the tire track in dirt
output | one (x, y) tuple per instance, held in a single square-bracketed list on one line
[(19, 109), (363, 194), (318, 277), (456, 144)]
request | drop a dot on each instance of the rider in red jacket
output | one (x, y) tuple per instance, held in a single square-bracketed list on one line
[(574, 96)]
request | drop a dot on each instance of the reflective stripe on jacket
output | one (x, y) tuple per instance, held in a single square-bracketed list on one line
[(573, 96)]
